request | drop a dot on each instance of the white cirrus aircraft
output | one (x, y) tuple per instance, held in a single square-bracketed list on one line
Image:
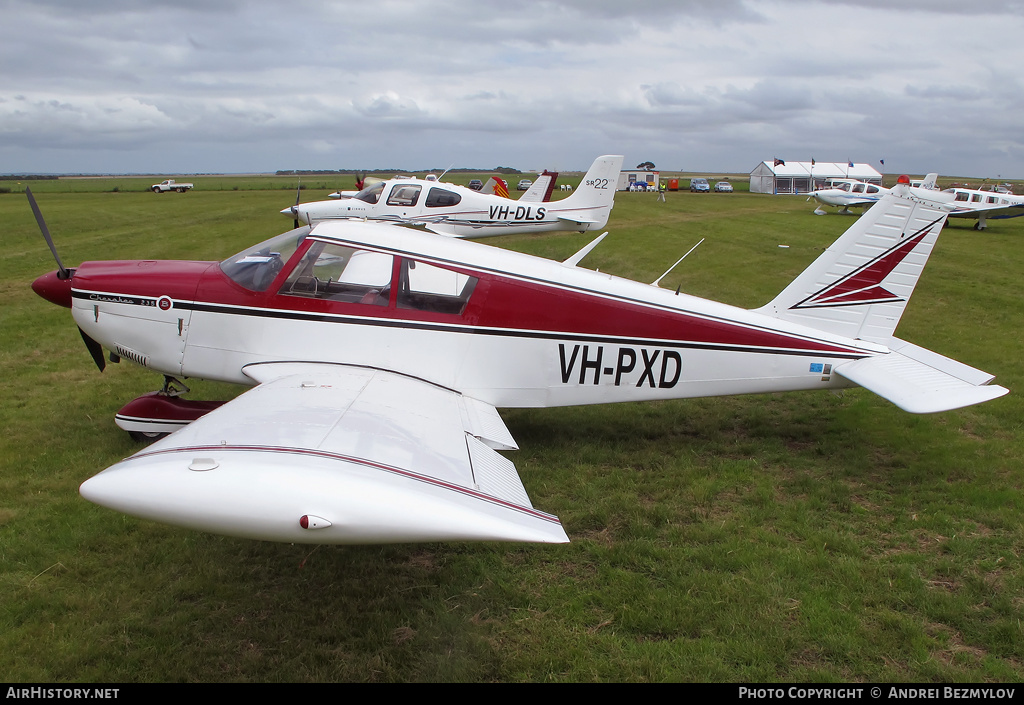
[(847, 193), (853, 193), (458, 211), (379, 356)]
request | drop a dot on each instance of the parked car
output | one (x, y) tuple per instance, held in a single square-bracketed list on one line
[(476, 184), (700, 185), (723, 187), (524, 185)]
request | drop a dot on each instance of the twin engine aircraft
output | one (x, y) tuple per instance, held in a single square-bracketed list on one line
[(458, 211), (379, 355)]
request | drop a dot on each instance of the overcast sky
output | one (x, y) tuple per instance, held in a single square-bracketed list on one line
[(210, 86)]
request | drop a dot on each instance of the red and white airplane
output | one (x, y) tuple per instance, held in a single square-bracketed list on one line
[(379, 356), (458, 211)]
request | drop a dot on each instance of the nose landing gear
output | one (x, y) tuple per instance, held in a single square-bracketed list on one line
[(152, 416)]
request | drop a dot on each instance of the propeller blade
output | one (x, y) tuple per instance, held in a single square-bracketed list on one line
[(64, 271), (95, 349), (295, 208)]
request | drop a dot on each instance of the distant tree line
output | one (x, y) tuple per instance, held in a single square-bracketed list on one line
[(31, 177)]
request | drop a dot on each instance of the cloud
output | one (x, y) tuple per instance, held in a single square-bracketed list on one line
[(387, 106), (226, 85)]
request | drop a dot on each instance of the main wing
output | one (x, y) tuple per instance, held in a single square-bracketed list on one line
[(334, 454), (989, 211)]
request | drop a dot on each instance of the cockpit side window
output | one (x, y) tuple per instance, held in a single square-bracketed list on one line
[(404, 195), (438, 197), (426, 287), (339, 273)]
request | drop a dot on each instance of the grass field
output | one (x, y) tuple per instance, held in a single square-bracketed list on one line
[(798, 537)]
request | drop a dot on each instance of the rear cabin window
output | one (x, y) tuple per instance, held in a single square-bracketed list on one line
[(339, 273), (438, 197), (425, 287)]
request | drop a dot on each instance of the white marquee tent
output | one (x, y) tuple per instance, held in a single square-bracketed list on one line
[(778, 176)]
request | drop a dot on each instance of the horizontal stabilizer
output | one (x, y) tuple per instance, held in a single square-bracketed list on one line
[(921, 381), (576, 221)]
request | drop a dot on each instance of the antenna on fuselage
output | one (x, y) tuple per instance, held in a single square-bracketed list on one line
[(656, 281), (574, 260), (446, 171)]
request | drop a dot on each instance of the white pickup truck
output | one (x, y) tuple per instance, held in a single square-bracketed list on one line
[(170, 185)]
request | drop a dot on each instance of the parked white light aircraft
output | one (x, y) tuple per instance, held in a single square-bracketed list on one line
[(380, 354), (461, 212), (847, 193), (985, 205), (844, 193), (540, 191)]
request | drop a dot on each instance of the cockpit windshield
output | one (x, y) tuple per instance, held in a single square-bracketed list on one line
[(256, 268), (371, 194)]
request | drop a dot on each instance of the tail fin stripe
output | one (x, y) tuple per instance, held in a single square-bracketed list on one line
[(864, 284)]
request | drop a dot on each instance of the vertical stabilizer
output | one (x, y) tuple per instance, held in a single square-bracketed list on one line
[(597, 189), (495, 186), (540, 191), (860, 285)]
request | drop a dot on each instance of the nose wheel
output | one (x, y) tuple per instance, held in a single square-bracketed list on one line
[(146, 436), (157, 414)]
